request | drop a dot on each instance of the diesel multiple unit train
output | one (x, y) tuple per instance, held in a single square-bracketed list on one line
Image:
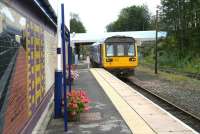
[(117, 54)]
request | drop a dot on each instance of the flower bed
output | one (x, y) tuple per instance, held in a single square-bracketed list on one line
[(77, 102)]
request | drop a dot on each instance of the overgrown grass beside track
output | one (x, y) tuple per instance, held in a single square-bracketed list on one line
[(169, 58)]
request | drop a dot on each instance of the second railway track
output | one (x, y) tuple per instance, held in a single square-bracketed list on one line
[(175, 71), (183, 115)]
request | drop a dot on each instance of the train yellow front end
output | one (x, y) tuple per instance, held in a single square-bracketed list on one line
[(119, 55)]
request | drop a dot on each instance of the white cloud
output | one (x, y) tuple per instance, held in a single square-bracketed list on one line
[(96, 14)]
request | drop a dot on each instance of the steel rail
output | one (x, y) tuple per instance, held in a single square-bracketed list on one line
[(174, 71)]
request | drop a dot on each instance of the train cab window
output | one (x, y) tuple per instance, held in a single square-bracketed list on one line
[(131, 50), (109, 51), (120, 50)]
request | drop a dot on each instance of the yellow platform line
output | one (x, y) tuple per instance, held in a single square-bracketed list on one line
[(136, 124)]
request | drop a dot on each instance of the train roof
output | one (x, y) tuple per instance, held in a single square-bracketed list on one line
[(119, 38), (110, 39)]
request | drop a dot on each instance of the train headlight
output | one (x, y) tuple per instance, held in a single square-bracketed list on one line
[(109, 60), (132, 59)]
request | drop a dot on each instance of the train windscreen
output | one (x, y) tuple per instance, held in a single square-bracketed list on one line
[(120, 49)]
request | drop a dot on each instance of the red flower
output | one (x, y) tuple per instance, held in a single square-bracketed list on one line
[(87, 108), (75, 106), (77, 101)]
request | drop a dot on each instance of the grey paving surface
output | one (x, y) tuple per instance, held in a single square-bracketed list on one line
[(103, 118)]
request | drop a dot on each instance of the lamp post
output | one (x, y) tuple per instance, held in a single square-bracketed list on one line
[(69, 62), (64, 65), (156, 44)]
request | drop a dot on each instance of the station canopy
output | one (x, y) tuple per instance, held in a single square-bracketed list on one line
[(139, 36)]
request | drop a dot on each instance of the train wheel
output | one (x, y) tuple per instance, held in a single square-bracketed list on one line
[(133, 72)]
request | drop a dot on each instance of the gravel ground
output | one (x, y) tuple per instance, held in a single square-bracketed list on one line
[(184, 92)]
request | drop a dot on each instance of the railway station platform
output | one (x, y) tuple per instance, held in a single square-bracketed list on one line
[(117, 108)]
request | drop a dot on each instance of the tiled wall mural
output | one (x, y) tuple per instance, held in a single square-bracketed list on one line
[(13, 74), (16, 104), (27, 64), (35, 67)]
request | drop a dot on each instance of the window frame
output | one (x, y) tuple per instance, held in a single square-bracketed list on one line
[(114, 49)]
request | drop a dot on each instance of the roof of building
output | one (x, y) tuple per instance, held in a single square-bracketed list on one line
[(47, 9), (137, 35)]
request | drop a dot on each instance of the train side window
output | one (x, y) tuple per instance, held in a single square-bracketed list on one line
[(109, 50), (131, 50)]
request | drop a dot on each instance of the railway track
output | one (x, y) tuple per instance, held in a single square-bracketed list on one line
[(175, 71), (185, 116), (187, 74)]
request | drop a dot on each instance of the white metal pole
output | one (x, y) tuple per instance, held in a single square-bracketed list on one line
[(58, 71), (59, 45)]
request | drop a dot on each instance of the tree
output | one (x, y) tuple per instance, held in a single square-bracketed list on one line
[(182, 20), (76, 25), (134, 18)]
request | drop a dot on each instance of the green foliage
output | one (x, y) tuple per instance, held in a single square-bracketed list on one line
[(168, 57), (181, 19), (76, 25), (180, 50), (133, 18)]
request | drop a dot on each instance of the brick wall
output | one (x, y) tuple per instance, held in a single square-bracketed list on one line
[(16, 114)]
